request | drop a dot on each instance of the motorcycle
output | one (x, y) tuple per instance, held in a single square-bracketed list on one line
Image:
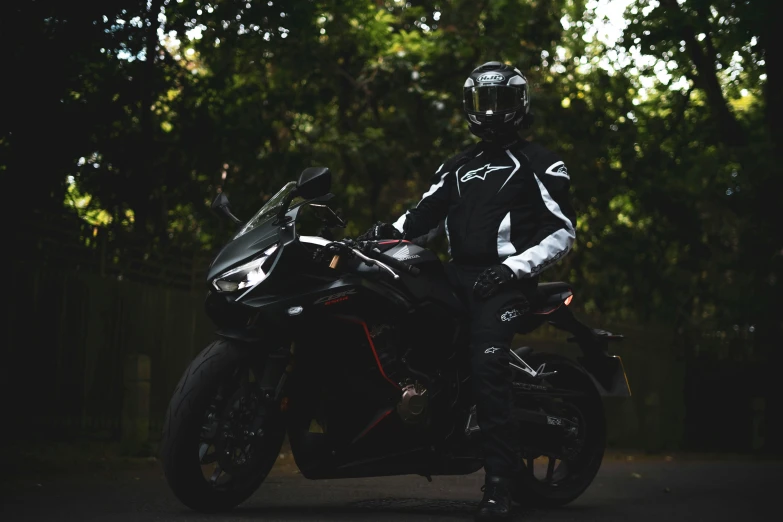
[(357, 350)]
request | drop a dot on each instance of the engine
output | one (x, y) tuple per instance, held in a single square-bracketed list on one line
[(413, 404)]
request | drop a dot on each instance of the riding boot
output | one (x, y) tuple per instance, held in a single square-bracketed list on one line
[(496, 504)]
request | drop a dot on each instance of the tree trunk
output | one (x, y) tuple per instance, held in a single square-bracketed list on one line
[(774, 69), (144, 180), (707, 80)]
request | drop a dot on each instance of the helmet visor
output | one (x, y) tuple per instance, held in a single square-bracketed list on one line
[(495, 98)]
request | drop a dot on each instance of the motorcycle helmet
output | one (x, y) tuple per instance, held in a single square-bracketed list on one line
[(495, 100)]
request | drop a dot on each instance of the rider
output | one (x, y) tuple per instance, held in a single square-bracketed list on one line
[(507, 217)]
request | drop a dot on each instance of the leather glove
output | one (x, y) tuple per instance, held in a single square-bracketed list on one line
[(491, 280), (380, 230)]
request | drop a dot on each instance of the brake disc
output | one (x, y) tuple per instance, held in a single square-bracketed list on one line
[(239, 430)]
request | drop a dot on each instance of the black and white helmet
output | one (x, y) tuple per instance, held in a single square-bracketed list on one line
[(495, 100)]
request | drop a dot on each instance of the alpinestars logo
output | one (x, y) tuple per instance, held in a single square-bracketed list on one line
[(481, 172), (491, 350), (538, 268), (404, 254), (558, 169), (509, 315)]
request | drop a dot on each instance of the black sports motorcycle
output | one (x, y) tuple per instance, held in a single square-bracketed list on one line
[(358, 351)]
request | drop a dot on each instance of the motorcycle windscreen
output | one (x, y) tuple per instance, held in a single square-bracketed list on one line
[(244, 248)]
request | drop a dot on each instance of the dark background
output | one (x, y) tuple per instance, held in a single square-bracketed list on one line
[(121, 120)]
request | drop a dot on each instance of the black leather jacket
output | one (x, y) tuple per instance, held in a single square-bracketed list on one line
[(500, 204)]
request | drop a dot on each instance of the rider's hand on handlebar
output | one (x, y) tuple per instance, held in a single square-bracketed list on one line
[(380, 230)]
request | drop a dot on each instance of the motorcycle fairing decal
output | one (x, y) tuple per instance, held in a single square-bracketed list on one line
[(335, 301), (373, 424), (404, 254), (374, 351), (332, 298), (397, 241)]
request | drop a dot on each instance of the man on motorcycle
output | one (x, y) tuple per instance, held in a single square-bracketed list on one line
[(507, 217)]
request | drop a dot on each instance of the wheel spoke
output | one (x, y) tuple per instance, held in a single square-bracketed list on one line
[(205, 457), (209, 458), (550, 469), (216, 475)]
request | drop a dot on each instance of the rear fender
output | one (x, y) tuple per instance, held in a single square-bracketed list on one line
[(608, 375)]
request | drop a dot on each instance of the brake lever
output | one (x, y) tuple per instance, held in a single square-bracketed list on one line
[(349, 247), (370, 261)]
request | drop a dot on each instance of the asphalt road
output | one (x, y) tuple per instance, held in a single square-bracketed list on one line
[(640, 490)]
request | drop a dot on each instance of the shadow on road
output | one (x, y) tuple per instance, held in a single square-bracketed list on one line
[(365, 509)]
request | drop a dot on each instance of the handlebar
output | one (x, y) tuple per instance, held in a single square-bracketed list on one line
[(371, 261), (370, 254)]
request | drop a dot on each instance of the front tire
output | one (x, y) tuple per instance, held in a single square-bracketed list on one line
[(557, 485), (216, 394)]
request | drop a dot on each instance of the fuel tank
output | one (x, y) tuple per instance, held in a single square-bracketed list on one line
[(410, 253)]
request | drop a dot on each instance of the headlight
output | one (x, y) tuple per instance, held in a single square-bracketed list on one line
[(245, 276)]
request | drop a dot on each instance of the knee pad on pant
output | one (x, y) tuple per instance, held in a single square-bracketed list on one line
[(490, 361)]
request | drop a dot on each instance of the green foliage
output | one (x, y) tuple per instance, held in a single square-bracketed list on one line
[(669, 134)]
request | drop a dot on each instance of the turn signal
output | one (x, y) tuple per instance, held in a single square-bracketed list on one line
[(569, 299)]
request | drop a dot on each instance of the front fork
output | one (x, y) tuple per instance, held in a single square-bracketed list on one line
[(273, 369), (276, 373)]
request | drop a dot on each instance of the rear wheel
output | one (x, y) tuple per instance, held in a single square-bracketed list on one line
[(221, 436), (556, 474)]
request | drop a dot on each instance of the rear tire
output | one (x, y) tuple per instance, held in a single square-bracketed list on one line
[(578, 473), (191, 401)]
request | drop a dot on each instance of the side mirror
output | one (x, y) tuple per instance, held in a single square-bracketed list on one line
[(221, 206), (314, 182)]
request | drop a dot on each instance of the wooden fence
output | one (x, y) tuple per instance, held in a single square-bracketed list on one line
[(69, 334)]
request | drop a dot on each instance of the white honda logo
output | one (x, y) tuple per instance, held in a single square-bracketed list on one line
[(404, 253)]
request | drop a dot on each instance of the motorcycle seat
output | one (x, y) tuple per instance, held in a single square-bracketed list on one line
[(554, 293)]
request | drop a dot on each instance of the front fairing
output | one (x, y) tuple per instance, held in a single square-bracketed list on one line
[(292, 270), (249, 245), (244, 248)]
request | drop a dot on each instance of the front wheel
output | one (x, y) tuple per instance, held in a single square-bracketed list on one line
[(221, 436), (560, 473)]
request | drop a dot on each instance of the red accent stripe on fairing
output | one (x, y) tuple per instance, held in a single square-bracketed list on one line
[(374, 424), (393, 241), (374, 352)]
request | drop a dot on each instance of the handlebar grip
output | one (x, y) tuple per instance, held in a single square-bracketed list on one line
[(396, 263)]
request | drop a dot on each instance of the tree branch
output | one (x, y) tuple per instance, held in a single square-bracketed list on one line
[(707, 80)]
